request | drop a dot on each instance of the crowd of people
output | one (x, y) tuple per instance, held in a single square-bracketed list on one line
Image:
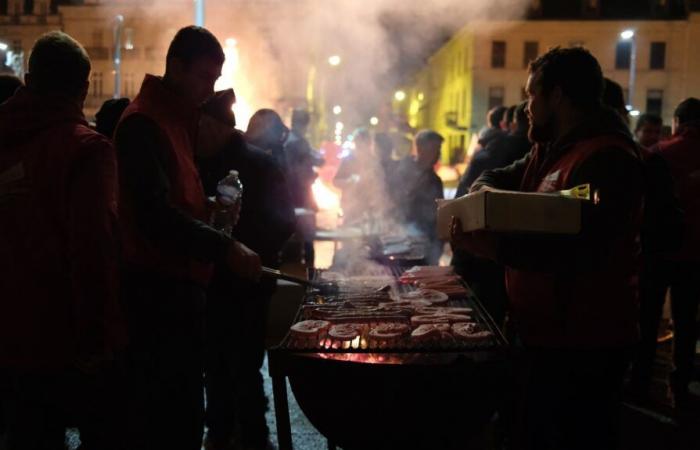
[(122, 305)]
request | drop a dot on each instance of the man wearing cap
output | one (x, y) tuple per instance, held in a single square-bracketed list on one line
[(168, 248), (236, 329)]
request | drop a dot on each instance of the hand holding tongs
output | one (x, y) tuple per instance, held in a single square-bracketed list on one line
[(273, 273)]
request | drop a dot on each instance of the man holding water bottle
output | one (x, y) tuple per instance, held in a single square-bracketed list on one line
[(168, 247)]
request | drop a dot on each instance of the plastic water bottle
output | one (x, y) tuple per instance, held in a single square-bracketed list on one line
[(228, 192)]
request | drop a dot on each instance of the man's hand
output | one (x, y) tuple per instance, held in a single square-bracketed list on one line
[(243, 261), (480, 243)]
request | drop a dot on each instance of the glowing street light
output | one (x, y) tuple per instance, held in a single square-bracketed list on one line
[(635, 113), (334, 60), (337, 109), (339, 127), (399, 96), (374, 121), (3, 46), (629, 35)]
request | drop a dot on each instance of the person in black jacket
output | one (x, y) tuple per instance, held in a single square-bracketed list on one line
[(237, 308), (486, 277)]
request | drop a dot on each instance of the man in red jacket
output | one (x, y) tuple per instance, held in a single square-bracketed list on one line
[(168, 248), (679, 271), (60, 320), (573, 298)]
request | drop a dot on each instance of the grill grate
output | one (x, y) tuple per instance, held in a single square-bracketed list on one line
[(323, 343)]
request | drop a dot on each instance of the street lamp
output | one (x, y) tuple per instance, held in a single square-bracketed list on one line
[(3, 47), (117, 61), (199, 11), (337, 109), (399, 96), (629, 35), (334, 60)]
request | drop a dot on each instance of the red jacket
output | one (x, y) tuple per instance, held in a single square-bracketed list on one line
[(682, 153), (58, 256), (574, 306), (176, 125)]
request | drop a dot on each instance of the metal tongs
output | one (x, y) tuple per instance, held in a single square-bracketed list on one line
[(326, 287)]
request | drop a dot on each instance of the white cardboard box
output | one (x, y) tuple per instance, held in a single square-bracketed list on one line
[(510, 211)]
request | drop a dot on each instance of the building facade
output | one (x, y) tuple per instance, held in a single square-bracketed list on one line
[(485, 65)]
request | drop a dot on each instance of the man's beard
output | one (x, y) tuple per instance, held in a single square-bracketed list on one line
[(541, 133)]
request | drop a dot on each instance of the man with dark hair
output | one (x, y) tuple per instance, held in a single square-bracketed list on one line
[(573, 298), (614, 98), (60, 318), (421, 187), (680, 270), (236, 401), (493, 129), (8, 86), (648, 130), (507, 124), (168, 248), (107, 118)]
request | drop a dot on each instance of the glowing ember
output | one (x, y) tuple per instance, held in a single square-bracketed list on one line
[(232, 77), (327, 197)]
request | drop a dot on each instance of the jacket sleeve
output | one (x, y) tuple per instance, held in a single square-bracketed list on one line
[(617, 177), (142, 167), (92, 246), (507, 178), (475, 169)]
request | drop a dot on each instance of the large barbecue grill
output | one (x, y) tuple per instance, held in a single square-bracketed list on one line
[(364, 393)]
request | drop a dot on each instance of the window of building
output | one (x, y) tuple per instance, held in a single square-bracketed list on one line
[(530, 51), (655, 100), (128, 85), (657, 56), (498, 54), (623, 51), (128, 39), (97, 38), (96, 84), (496, 94)]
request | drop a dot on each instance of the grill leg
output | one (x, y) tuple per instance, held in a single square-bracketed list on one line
[(284, 428)]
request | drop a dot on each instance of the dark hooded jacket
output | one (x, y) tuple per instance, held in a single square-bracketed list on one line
[(578, 291), (58, 255)]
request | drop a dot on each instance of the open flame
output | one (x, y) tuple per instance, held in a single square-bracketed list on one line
[(232, 77), (327, 197)]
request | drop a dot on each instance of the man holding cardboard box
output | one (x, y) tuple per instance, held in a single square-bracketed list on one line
[(573, 297)]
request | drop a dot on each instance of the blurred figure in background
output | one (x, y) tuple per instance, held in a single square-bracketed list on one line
[(648, 130), (420, 188), (679, 270), (237, 308), (301, 160), (486, 277), (614, 97), (355, 178), (508, 122), (493, 129), (8, 86), (61, 322), (267, 132), (384, 149), (108, 116)]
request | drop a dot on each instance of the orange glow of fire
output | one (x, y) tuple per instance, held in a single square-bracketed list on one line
[(232, 77), (326, 196), (364, 358)]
